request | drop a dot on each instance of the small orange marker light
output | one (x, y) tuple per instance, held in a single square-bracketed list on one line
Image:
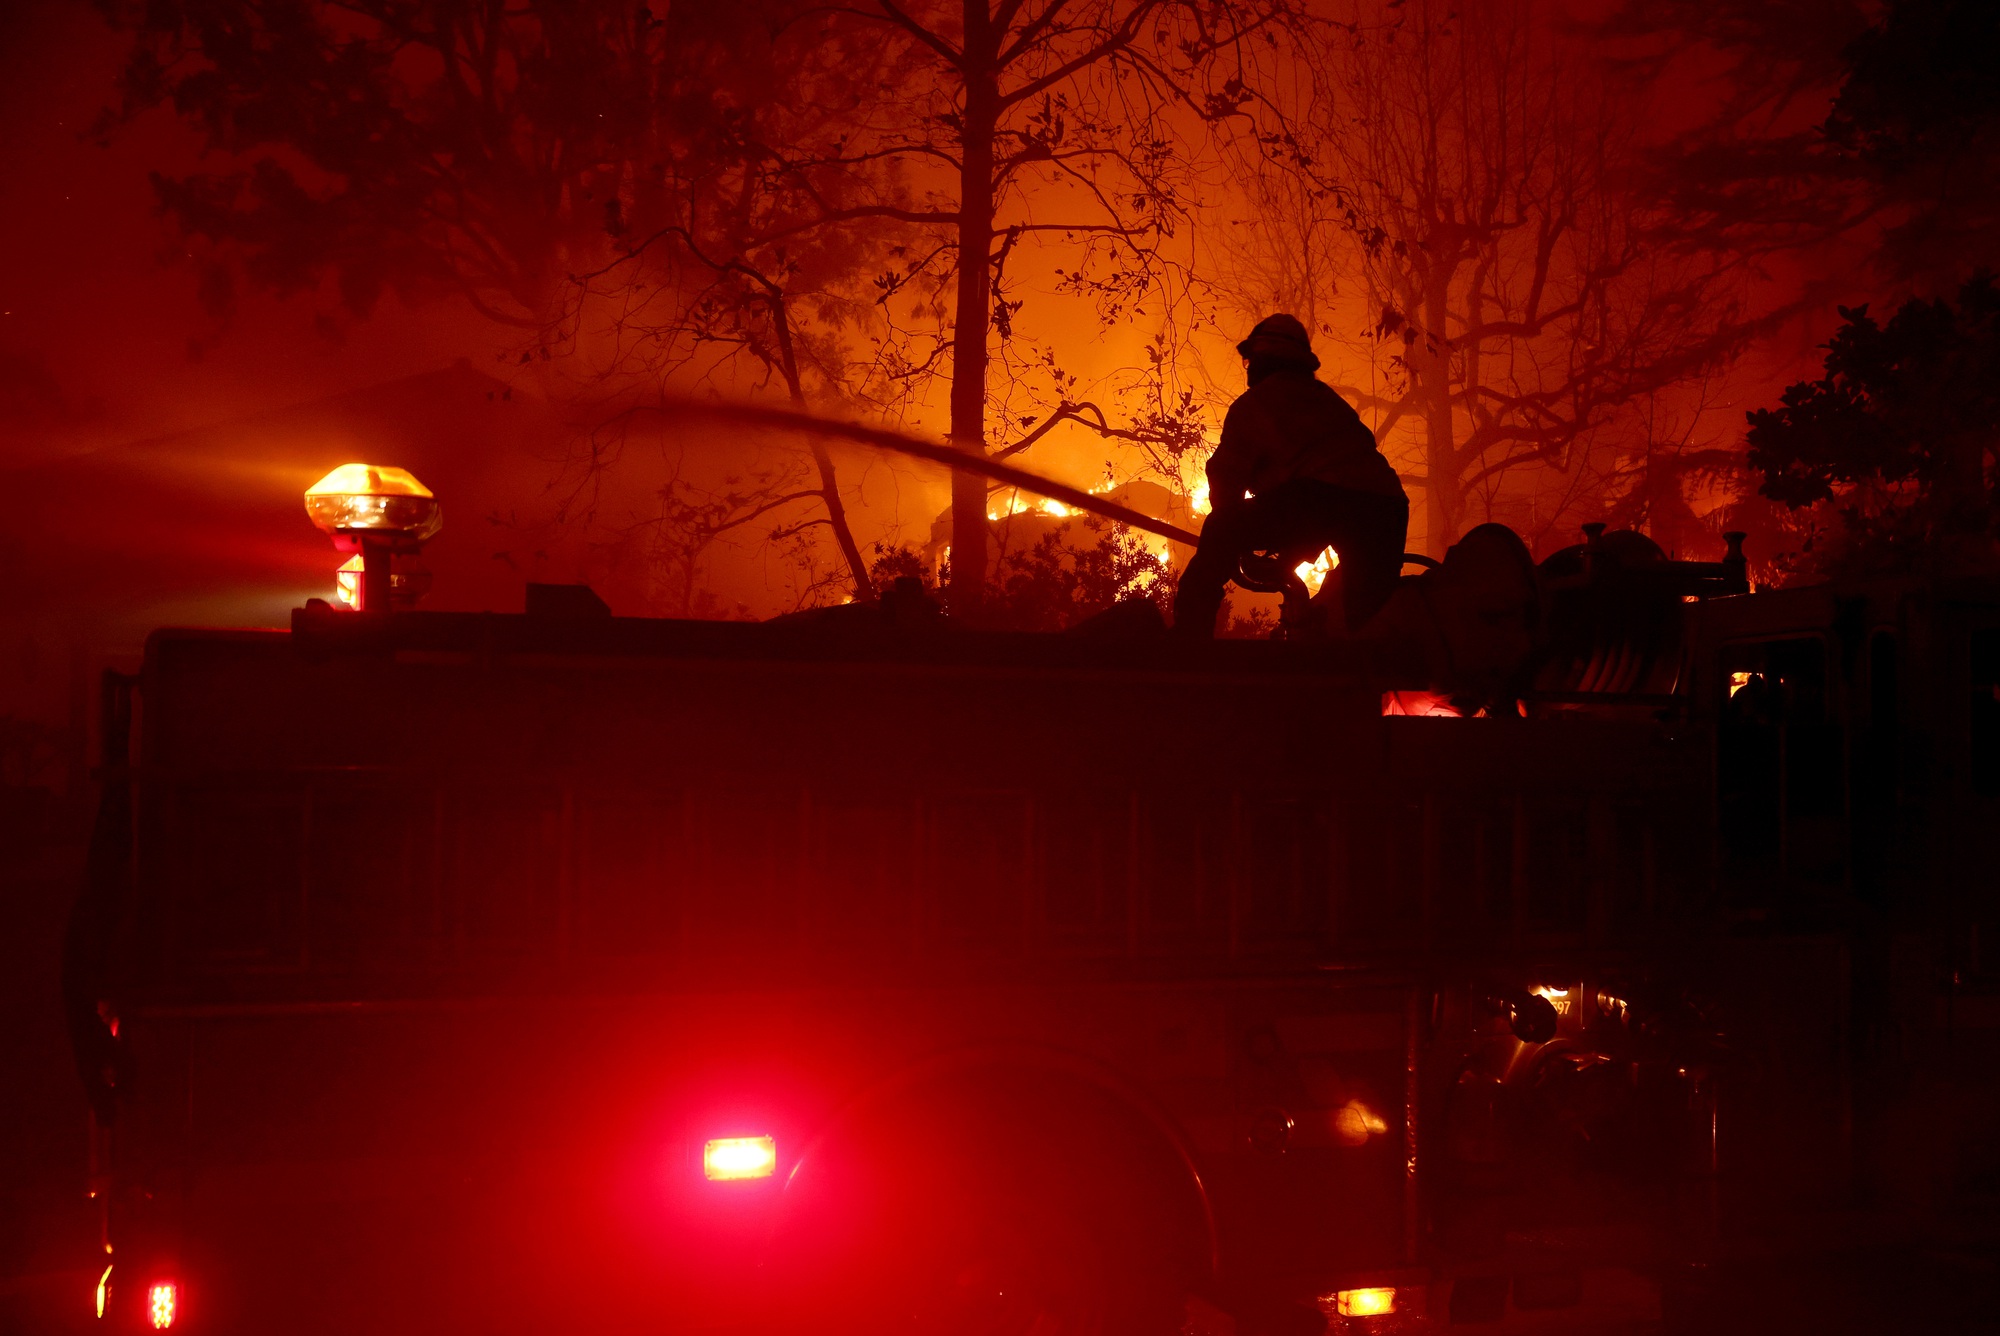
[(347, 581), (1365, 1303), (163, 1303), (730, 1158)]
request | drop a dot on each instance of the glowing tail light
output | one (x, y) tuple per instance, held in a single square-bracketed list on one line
[(730, 1158), (1378, 1302), (163, 1304)]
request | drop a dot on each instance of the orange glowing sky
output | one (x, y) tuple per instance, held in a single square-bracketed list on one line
[(105, 352)]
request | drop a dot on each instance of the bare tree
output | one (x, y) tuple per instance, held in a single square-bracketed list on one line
[(495, 153), (1517, 303), (724, 302), (656, 547), (1021, 125), (386, 147), (1754, 175), (848, 194)]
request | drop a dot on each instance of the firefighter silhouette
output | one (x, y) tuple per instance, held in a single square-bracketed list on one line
[(1296, 472)]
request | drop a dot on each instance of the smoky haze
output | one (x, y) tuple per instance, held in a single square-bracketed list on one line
[(1495, 219), (174, 374)]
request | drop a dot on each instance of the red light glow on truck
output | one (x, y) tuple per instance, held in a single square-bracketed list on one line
[(1378, 1302), (163, 1303), (731, 1159)]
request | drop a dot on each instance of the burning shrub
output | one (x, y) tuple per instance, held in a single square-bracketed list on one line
[(893, 563), (1058, 581), (1077, 570)]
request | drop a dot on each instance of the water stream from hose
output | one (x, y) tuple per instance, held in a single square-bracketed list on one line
[(913, 447)]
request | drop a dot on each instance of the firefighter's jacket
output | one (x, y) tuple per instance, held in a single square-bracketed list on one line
[(1292, 425)]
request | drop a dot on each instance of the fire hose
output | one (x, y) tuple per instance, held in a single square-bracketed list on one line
[(1260, 573), (1481, 610), (934, 452)]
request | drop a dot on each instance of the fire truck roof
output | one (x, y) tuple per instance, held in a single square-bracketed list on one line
[(864, 635)]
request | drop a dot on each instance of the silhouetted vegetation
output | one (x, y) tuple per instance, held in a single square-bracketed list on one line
[(922, 212), (1920, 108), (1527, 310), (1893, 449), (1075, 571), (833, 196)]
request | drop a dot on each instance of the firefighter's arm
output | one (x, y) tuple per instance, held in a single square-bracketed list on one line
[(1235, 459)]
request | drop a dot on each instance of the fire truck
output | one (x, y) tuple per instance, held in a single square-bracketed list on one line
[(557, 971)]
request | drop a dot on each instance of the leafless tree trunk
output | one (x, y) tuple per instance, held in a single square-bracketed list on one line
[(829, 482), (972, 315)]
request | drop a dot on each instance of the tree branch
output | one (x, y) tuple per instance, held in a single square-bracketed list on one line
[(1121, 38), (1025, 40), (892, 14)]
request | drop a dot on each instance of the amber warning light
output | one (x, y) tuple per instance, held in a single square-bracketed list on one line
[(377, 513), (368, 498), (729, 1159)]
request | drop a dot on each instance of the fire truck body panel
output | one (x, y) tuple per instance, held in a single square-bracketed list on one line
[(452, 940), (1857, 736), (1247, 816), (558, 1147)]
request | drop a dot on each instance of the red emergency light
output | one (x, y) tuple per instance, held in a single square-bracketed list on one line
[(732, 1159), (1379, 1301)]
